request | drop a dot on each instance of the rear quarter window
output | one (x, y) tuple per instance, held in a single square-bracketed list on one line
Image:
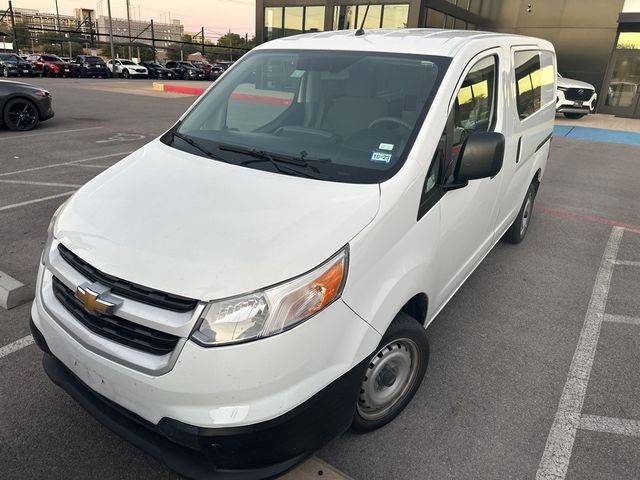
[(535, 81)]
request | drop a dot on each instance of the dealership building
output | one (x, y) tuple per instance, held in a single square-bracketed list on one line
[(597, 41)]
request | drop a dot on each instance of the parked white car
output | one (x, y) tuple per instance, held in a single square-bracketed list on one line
[(260, 278), (127, 69), (575, 99)]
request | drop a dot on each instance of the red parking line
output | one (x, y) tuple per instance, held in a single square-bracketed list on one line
[(587, 218), (265, 99)]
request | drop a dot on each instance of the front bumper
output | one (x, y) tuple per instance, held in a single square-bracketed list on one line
[(262, 450), (582, 107)]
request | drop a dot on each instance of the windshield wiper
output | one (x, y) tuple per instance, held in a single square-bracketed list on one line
[(187, 139), (274, 158)]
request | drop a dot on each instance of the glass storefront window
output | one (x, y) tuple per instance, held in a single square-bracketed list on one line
[(450, 22), (460, 24), (629, 41), (344, 17), (272, 23), (373, 17), (475, 6), (435, 19), (293, 20), (395, 16), (314, 19)]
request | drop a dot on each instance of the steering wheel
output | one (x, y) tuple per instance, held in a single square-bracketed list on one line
[(395, 120)]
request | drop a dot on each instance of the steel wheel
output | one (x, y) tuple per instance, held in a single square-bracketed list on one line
[(390, 376), (20, 115), (526, 215)]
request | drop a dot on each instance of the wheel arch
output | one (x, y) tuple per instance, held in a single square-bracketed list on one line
[(417, 307)]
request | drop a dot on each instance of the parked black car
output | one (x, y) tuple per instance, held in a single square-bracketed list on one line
[(11, 65), (90, 66), (23, 106), (157, 71), (186, 71)]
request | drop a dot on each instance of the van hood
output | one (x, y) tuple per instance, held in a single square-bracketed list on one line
[(204, 229)]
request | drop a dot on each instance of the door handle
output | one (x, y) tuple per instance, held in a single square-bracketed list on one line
[(519, 150)]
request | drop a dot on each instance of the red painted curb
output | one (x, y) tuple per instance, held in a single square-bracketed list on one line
[(185, 90)]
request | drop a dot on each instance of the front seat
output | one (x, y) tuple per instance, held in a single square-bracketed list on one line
[(356, 109)]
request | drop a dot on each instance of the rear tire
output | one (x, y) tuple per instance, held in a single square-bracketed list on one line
[(520, 226), (394, 374), (574, 116)]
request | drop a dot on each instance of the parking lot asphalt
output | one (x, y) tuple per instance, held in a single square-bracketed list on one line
[(533, 369)]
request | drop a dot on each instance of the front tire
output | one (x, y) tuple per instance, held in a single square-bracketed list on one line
[(574, 116), (393, 375), (125, 73), (520, 226), (21, 115)]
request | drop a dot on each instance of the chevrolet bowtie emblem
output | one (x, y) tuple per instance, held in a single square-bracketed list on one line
[(96, 298)]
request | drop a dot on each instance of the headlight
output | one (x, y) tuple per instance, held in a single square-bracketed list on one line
[(562, 89), (52, 223), (42, 93), (273, 310)]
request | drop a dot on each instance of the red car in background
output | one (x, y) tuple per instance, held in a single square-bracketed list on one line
[(51, 66)]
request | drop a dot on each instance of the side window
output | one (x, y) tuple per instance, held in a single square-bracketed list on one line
[(474, 109), (528, 82)]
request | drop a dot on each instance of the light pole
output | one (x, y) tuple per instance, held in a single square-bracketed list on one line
[(113, 51), (129, 22)]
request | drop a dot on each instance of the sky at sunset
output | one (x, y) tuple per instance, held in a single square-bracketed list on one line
[(216, 16)]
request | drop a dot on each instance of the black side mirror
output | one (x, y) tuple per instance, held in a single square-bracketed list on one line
[(481, 156)]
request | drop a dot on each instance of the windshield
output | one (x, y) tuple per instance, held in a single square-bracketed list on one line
[(9, 58), (51, 58), (351, 116), (126, 62), (92, 60)]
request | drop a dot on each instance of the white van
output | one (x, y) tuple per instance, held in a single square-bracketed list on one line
[(246, 287)]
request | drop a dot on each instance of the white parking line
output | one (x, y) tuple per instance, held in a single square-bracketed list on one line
[(73, 162), (37, 200), (42, 184), (557, 452), (628, 263), (622, 319), (619, 426), (15, 346), (50, 133), (91, 166)]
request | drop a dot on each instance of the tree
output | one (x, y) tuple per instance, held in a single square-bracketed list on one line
[(234, 40)]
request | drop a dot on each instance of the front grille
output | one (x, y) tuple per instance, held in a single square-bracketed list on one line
[(582, 94), (115, 328), (127, 289)]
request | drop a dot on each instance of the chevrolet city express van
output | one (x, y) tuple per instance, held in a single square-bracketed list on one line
[(246, 287)]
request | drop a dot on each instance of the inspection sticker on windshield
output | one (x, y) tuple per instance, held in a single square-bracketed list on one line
[(385, 146), (380, 157)]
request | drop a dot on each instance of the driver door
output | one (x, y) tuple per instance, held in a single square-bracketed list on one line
[(468, 214)]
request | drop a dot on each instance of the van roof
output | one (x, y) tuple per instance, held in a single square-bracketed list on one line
[(409, 40)]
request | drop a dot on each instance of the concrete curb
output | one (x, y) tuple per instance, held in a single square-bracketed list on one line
[(163, 87), (12, 292)]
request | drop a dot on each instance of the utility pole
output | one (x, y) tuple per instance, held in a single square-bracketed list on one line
[(202, 38), (57, 16), (13, 28), (113, 52), (153, 41), (91, 31), (230, 51), (129, 22)]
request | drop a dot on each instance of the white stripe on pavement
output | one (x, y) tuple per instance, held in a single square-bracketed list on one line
[(627, 263), (15, 346), (37, 200), (622, 319), (618, 426), (41, 184), (22, 137), (557, 452), (73, 162)]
